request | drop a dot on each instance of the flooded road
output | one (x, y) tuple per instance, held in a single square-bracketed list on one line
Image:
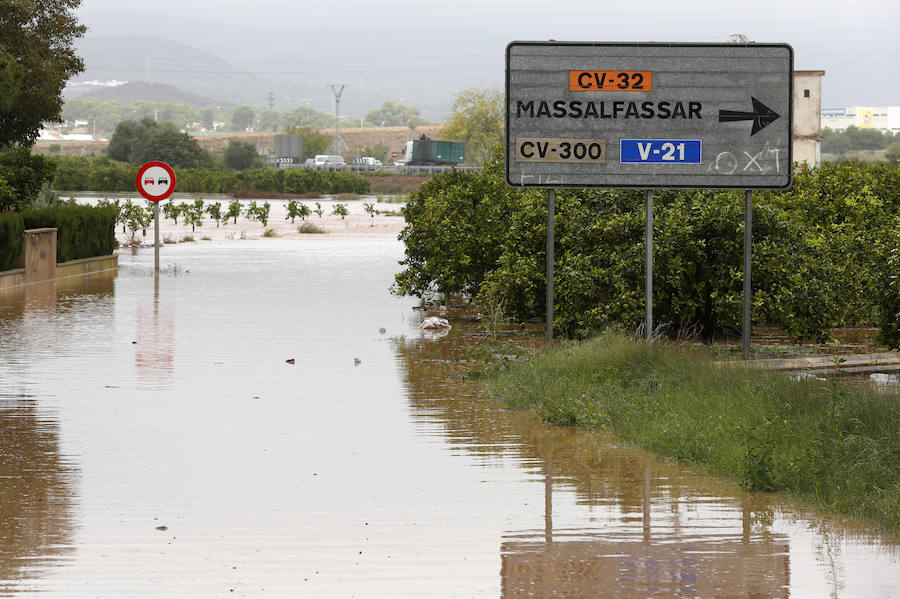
[(155, 442)]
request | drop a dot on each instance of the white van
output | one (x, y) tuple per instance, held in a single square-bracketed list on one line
[(328, 160)]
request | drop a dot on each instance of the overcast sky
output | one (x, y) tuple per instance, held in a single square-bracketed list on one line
[(410, 47)]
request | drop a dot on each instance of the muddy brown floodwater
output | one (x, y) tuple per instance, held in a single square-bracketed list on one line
[(155, 442)]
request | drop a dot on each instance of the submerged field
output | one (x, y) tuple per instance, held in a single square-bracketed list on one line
[(832, 444)]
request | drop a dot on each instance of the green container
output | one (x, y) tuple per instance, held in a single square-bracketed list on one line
[(432, 152)]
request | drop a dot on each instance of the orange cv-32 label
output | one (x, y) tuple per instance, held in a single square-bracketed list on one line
[(611, 81)]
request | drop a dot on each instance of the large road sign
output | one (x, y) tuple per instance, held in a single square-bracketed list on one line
[(649, 115), (155, 181)]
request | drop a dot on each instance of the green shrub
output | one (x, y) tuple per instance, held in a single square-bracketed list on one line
[(890, 295), (82, 231), (818, 251), (12, 239), (102, 174), (22, 174)]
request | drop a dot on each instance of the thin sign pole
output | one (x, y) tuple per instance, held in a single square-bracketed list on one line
[(156, 236), (551, 201), (648, 284), (748, 240)]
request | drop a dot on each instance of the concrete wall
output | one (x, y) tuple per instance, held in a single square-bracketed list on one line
[(40, 255), (39, 260)]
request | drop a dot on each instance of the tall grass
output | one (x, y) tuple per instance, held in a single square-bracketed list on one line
[(831, 444)]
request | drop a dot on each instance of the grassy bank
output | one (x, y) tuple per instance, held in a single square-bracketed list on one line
[(830, 444)]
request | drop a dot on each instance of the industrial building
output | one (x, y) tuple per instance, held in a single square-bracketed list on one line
[(881, 118)]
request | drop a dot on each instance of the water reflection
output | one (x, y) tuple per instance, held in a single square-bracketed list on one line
[(619, 523), (36, 524), (362, 467), (154, 347), (37, 482)]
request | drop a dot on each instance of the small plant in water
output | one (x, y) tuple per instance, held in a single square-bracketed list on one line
[(234, 211), (187, 238), (270, 233), (215, 212), (319, 210), (169, 239), (340, 210)]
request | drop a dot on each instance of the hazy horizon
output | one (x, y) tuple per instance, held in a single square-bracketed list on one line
[(427, 54)]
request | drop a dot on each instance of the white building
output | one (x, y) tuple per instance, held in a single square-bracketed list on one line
[(881, 118), (808, 117)]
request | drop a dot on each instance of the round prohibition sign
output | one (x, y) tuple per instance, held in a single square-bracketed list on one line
[(155, 181)]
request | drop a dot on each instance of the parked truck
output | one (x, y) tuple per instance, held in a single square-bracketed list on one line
[(430, 152)]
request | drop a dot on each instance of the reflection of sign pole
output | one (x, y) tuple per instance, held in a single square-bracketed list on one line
[(155, 181)]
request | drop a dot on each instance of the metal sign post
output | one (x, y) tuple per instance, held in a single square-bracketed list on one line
[(156, 236), (748, 298), (155, 181), (551, 213), (649, 116), (648, 260)]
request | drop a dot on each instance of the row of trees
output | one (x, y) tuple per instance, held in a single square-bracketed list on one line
[(821, 252), (136, 217), (854, 139), (138, 142), (854, 144), (104, 175), (106, 115)]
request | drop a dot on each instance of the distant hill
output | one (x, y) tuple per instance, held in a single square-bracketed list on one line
[(151, 60), (135, 91)]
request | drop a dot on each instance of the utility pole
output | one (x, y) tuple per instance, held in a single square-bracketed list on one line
[(337, 89)]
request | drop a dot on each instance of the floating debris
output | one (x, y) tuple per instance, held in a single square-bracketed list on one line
[(290, 361), (435, 323), (881, 378), (807, 376)]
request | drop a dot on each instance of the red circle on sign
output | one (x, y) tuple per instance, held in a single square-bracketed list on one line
[(148, 186), (393, 154)]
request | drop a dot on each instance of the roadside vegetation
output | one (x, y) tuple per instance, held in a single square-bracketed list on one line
[(106, 175), (82, 231), (867, 145), (831, 444), (821, 253)]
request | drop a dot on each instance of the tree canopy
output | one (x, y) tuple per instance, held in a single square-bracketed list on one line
[(141, 141), (176, 149), (854, 139), (314, 142), (242, 117), (128, 141), (477, 119), (22, 174), (38, 36), (393, 115), (241, 155)]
